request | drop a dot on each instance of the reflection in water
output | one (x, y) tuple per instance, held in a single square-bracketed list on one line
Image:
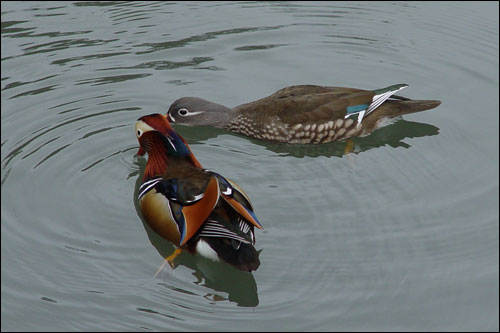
[(240, 286), (154, 47), (392, 135)]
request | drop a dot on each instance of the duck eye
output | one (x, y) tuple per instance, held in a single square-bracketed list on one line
[(183, 112)]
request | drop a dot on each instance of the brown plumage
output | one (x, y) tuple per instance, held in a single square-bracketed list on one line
[(303, 114)]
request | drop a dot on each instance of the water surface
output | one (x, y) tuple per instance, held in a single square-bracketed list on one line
[(400, 234)]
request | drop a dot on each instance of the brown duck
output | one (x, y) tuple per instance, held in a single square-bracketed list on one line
[(303, 114)]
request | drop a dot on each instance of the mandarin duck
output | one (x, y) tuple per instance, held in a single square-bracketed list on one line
[(194, 208), (303, 114)]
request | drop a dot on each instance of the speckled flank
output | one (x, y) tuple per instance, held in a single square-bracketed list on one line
[(312, 132)]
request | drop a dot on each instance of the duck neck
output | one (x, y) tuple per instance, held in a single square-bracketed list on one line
[(223, 115), (156, 165), (167, 150)]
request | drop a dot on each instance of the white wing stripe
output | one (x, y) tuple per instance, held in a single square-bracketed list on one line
[(196, 198), (214, 229), (148, 185), (228, 235), (154, 180), (379, 99), (244, 226)]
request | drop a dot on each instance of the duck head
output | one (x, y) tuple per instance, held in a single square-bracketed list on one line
[(155, 135), (194, 111), (157, 138)]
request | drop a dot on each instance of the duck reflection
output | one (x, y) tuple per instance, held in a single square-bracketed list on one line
[(239, 286), (392, 135)]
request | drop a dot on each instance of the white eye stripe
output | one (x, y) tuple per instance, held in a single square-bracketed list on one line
[(185, 112), (141, 127)]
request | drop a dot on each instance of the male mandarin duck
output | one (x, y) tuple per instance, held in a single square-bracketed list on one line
[(303, 114), (194, 208)]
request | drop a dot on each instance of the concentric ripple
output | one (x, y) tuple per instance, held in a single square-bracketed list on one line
[(394, 231)]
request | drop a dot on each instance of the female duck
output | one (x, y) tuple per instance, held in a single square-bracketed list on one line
[(303, 114), (196, 209)]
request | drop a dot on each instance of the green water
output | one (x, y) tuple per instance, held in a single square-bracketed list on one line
[(400, 234)]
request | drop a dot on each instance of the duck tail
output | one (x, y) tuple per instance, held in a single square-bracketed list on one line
[(241, 255), (406, 106), (399, 105)]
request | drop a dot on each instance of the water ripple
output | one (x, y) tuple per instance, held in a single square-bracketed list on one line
[(401, 233)]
